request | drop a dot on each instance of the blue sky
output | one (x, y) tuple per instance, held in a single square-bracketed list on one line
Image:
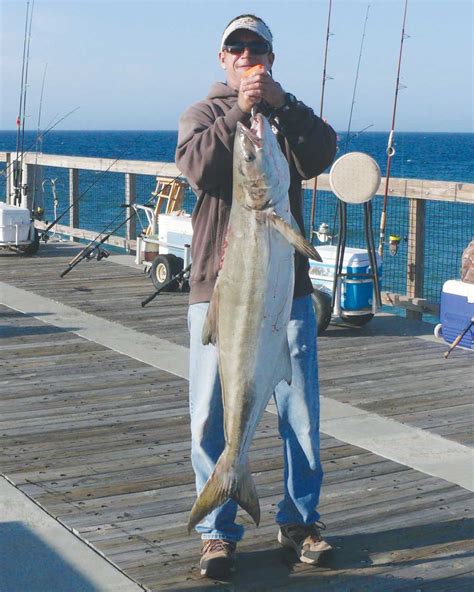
[(138, 65)]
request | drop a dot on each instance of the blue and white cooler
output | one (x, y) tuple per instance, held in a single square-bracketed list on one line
[(357, 292), (457, 312)]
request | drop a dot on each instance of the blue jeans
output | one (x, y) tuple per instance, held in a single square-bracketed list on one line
[(298, 412)]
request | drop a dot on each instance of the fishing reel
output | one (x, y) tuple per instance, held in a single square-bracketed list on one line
[(323, 233), (394, 243), (101, 253), (96, 252), (38, 213)]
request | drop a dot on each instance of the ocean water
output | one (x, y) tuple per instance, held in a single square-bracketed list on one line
[(432, 156), (419, 155)]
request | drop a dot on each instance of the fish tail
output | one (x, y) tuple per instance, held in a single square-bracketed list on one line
[(226, 482)]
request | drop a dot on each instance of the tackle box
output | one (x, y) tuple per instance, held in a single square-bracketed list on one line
[(457, 311), (357, 292), (15, 223), (175, 230)]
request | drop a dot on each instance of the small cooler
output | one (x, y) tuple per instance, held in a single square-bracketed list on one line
[(15, 224), (457, 311), (357, 292), (175, 230)]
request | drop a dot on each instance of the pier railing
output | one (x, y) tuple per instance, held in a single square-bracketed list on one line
[(434, 219)]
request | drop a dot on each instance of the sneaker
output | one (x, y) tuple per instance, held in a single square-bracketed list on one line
[(305, 539), (217, 558)]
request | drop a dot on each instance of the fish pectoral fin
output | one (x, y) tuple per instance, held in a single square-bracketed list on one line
[(294, 237), (224, 483), (209, 329)]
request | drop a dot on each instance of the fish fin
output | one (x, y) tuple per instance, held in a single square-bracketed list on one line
[(294, 223), (294, 237), (246, 494), (225, 483), (209, 329)]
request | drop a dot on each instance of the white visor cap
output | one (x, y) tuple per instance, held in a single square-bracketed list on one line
[(248, 23)]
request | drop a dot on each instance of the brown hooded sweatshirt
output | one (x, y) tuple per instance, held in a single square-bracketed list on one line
[(204, 156)]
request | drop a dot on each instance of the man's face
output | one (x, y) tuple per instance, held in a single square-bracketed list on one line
[(236, 64)]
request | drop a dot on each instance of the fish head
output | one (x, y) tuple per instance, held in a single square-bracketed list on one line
[(260, 168)]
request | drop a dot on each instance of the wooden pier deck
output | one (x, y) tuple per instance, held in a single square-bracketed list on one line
[(100, 438)]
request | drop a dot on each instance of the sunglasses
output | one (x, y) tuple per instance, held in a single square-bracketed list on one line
[(255, 47)]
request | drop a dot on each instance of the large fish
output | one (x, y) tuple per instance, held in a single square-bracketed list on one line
[(250, 308)]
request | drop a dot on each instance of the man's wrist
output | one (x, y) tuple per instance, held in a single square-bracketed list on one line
[(288, 104)]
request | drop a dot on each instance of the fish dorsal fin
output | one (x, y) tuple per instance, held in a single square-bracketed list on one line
[(294, 237), (209, 329)]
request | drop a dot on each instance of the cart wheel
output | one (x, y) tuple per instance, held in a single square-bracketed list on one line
[(33, 247), (163, 268), (357, 320), (322, 305)]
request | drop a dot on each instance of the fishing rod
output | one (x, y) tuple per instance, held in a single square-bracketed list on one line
[(20, 117), (44, 234), (88, 252), (179, 279), (348, 138), (323, 86), (390, 148), (38, 212), (27, 67), (47, 130)]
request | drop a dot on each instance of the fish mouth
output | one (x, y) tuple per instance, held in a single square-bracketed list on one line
[(254, 134)]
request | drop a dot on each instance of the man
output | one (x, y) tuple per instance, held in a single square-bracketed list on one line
[(204, 155)]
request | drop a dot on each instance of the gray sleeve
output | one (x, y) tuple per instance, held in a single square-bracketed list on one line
[(205, 144), (312, 142)]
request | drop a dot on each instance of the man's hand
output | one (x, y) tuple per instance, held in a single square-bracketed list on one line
[(257, 88)]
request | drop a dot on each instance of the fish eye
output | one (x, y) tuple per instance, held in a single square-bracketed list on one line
[(249, 156)]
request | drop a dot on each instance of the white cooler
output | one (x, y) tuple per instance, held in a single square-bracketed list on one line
[(175, 230), (15, 223), (357, 292)]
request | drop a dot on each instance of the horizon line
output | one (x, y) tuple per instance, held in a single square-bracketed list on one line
[(342, 132)]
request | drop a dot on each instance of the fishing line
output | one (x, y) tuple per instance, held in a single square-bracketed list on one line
[(356, 81), (348, 136), (88, 251), (47, 130), (323, 86), (44, 235), (39, 141), (27, 67), (16, 172), (390, 148)]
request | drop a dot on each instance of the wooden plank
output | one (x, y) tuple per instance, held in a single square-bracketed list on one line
[(73, 197), (419, 189), (454, 191), (412, 303), (130, 199), (116, 241), (102, 442), (416, 253), (141, 167)]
